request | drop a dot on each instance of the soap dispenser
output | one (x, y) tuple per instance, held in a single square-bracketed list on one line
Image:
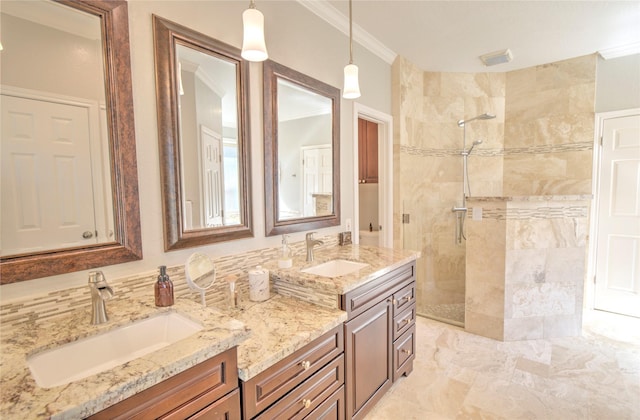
[(284, 259), (164, 288)]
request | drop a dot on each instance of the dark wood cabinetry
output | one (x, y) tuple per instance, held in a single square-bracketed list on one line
[(208, 390), (379, 337), (307, 384), (367, 152)]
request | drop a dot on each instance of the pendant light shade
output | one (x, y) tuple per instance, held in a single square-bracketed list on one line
[(351, 88), (253, 45)]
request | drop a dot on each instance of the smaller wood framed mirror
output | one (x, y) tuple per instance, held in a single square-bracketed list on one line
[(301, 151), (202, 88)]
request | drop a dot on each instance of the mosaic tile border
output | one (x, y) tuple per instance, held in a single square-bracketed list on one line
[(547, 212), (508, 151)]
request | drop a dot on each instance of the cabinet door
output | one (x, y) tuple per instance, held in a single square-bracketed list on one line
[(369, 358), (367, 151)]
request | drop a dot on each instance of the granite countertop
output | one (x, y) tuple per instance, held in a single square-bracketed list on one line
[(379, 262), (22, 398), (279, 327)]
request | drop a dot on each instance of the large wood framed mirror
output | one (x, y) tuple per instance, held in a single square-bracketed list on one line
[(69, 175), (301, 151), (203, 128)]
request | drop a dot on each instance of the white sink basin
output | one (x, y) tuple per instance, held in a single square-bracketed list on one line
[(335, 268), (88, 356)]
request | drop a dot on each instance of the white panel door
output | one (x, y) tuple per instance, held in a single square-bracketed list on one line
[(618, 235), (212, 178), (47, 193), (310, 181), (317, 169)]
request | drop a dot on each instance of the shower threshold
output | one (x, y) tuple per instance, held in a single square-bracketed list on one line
[(450, 313)]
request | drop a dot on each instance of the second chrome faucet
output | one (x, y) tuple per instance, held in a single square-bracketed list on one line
[(310, 244)]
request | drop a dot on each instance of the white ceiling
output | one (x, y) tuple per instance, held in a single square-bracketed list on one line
[(449, 36)]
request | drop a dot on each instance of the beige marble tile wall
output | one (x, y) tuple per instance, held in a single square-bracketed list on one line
[(428, 175), (525, 268), (549, 128)]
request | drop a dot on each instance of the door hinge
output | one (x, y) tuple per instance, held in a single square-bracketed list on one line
[(405, 218), (594, 279), (601, 140)]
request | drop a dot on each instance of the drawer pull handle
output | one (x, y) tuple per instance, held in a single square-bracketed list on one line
[(406, 351), (407, 298), (406, 321), (305, 364), (306, 403)]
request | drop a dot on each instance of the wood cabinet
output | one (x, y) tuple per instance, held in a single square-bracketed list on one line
[(208, 390), (306, 384), (379, 338), (367, 152)]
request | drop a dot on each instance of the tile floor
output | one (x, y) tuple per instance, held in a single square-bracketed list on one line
[(458, 375)]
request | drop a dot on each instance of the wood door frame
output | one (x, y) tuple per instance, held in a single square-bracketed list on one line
[(590, 287), (385, 172)]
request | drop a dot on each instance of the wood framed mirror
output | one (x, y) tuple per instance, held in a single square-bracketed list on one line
[(301, 151), (44, 228), (202, 88)]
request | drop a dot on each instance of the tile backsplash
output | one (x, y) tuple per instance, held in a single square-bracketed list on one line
[(54, 304)]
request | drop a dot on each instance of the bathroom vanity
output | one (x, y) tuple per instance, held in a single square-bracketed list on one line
[(300, 354), (379, 337)]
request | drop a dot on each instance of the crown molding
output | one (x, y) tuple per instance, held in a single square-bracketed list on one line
[(324, 10), (620, 51)]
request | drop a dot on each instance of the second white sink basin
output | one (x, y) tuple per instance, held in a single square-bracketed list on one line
[(88, 356), (335, 268)]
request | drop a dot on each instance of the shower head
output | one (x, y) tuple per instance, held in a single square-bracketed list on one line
[(474, 144), (484, 116)]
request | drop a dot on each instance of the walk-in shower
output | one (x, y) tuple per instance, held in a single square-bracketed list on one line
[(461, 211)]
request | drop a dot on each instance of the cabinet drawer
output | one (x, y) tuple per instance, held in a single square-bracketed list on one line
[(404, 349), (331, 409), (364, 297), (213, 378), (403, 298), (269, 386), (310, 394), (403, 321), (226, 408)]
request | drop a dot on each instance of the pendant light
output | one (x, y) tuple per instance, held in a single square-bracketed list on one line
[(253, 45), (351, 88)]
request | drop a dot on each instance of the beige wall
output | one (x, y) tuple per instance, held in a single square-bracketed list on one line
[(296, 38), (549, 128)]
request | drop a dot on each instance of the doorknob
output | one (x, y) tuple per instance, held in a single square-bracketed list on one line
[(87, 234)]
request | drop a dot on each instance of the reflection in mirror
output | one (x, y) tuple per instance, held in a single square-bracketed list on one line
[(208, 140), (69, 177), (56, 189), (301, 151), (305, 159), (201, 274), (202, 89)]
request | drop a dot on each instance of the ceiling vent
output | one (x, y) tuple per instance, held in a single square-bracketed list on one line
[(497, 57)]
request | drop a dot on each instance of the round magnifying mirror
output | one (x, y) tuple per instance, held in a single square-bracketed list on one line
[(201, 273)]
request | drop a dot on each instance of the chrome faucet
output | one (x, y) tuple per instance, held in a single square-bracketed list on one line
[(310, 244), (100, 291)]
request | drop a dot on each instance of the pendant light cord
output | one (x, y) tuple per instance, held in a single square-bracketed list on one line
[(350, 35)]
